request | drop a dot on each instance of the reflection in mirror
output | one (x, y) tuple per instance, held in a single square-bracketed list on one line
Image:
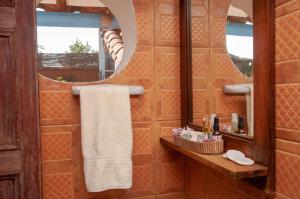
[(239, 37), (222, 65), (239, 43), (78, 42)]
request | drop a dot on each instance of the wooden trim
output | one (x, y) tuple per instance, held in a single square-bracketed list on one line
[(185, 59), (27, 92), (261, 148), (217, 162), (264, 87)]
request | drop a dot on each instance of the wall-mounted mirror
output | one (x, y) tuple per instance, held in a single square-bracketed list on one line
[(216, 79), (221, 70), (239, 35), (84, 40)]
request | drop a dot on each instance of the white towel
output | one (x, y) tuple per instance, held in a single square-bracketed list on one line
[(106, 135)]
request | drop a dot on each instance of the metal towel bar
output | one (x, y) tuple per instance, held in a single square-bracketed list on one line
[(133, 90)]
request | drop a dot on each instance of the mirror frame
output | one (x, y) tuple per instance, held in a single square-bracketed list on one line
[(261, 147)]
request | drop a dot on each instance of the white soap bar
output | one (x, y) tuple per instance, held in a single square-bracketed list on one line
[(238, 157), (244, 161), (232, 154)]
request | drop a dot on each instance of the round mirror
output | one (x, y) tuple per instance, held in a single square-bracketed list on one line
[(239, 37), (84, 40)]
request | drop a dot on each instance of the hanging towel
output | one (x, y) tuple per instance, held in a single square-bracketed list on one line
[(106, 135)]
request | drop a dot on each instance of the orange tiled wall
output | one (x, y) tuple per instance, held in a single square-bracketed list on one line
[(157, 172), (288, 99), (212, 66)]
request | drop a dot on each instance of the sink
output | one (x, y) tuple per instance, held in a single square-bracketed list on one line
[(247, 90)]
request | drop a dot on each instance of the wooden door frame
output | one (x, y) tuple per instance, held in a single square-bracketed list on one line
[(30, 136), (20, 165)]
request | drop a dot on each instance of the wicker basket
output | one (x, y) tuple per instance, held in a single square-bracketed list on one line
[(214, 147)]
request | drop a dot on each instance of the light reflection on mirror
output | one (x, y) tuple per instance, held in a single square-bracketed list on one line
[(239, 37), (78, 42)]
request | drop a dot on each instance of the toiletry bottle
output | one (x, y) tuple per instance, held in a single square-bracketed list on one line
[(216, 127), (205, 125), (241, 125), (234, 123), (211, 120)]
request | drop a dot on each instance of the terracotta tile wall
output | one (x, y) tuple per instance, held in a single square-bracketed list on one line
[(158, 173), (287, 99)]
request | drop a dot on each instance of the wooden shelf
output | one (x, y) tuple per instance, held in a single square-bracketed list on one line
[(219, 163)]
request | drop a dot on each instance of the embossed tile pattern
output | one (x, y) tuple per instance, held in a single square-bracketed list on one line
[(287, 99), (144, 26), (288, 106), (56, 146), (288, 37), (170, 27), (173, 175), (200, 62), (287, 170), (229, 104), (167, 23), (170, 101), (199, 102), (58, 186), (141, 106), (170, 65), (141, 64), (56, 105), (141, 141), (141, 179)]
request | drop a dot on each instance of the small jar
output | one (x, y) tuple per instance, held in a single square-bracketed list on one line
[(234, 123), (205, 125)]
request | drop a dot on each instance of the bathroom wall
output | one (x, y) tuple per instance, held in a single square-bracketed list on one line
[(287, 99), (157, 172)]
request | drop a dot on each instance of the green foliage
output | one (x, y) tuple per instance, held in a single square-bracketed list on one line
[(61, 79), (80, 47)]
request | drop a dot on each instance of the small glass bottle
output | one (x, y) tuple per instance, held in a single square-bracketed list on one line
[(205, 125), (216, 127), (241, 125), (234, 123), (211, 120)]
